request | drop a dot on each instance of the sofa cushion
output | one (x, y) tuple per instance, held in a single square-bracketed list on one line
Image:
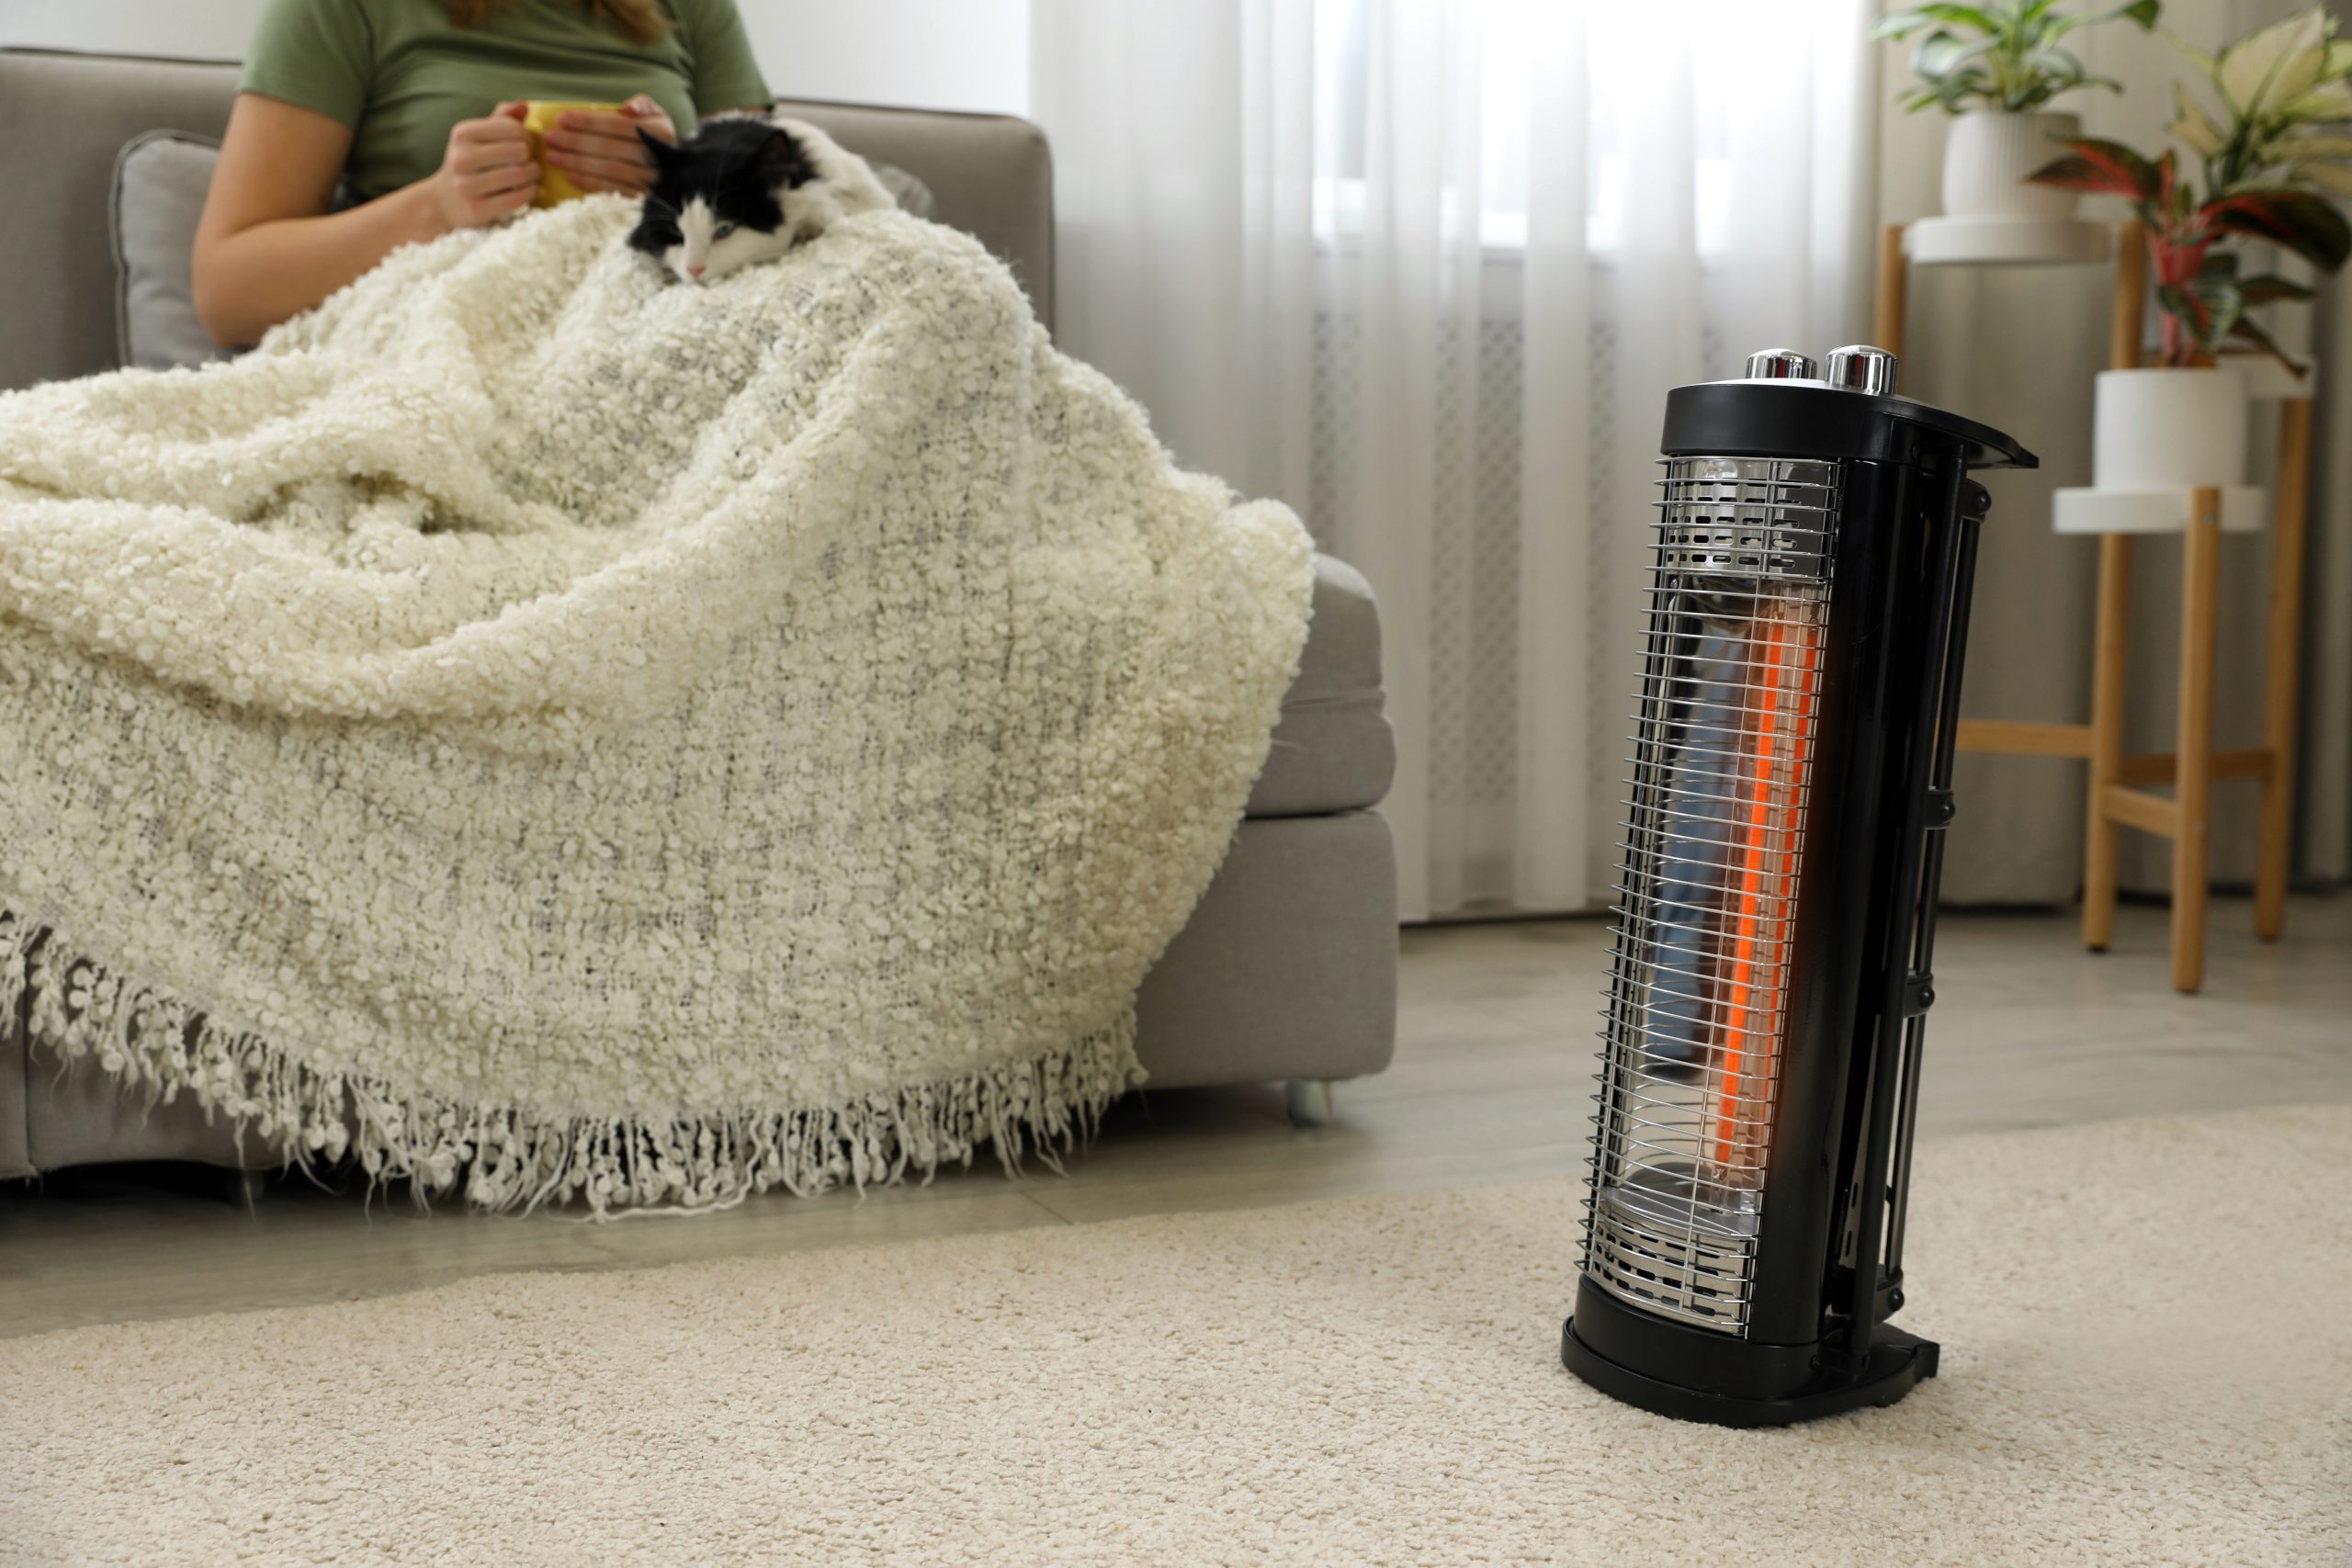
[(910, 194), (160, 180), (1288, 967), (1333, 749)]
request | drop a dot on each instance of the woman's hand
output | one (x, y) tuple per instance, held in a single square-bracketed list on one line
[(487, 171), (600, 150)]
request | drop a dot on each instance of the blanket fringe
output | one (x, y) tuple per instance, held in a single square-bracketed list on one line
[(506, 1158)]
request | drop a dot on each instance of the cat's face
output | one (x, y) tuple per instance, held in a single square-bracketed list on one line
[(718, 200)]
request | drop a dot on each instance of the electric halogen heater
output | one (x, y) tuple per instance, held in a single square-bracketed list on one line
[(1791, 775)]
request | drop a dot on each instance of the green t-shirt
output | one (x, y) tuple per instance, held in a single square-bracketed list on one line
[(399, 75)]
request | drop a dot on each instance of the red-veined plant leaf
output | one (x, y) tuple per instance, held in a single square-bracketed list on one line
[(2306, 224), (2209, 307), (2074, 172), (2109, 168), (2177, 301), (2269, 287), (2251, 333), (2172, 196)]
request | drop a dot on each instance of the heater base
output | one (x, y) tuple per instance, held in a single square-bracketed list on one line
[(1897, 1362)]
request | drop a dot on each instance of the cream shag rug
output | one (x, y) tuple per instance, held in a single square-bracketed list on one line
[(2147, 1359)]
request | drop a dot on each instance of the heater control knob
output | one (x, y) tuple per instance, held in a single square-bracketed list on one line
[(1859, 367), (1781, 364)]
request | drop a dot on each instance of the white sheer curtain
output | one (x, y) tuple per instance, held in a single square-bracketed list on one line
[(1424, 269)]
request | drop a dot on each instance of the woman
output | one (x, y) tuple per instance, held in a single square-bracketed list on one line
[(419, 103)]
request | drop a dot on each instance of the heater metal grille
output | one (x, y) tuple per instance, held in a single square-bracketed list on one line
[(1752, 517), (1698, 995)]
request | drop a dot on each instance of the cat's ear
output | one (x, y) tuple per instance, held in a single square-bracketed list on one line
[(662, 152), (784, 161)]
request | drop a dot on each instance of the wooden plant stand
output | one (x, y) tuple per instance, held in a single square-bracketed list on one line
[(2118, 798)]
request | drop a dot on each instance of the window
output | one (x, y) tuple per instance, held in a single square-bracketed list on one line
[(1670, 84)]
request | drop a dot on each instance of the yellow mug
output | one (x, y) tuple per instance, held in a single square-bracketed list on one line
[(540, 117)]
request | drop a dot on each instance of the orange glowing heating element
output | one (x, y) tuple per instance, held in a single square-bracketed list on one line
[(1784, 658)]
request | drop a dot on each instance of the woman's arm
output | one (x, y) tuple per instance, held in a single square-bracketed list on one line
[(267, 249), (724, 70)]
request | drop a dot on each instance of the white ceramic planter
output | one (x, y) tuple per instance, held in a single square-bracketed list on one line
[(2156, 435), (1987, 155), (2165, 429)]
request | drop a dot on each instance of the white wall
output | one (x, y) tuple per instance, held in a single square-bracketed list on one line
[(204, 29), (948, 54), (957, 54)]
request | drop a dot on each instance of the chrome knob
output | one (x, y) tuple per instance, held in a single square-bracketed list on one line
[(1779, 365), (1859, 367)]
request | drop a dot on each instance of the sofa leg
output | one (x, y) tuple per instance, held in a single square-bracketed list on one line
[(244, 1188), (1309, 1101)]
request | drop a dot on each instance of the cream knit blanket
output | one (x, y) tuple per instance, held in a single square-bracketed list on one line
[(555, 733)]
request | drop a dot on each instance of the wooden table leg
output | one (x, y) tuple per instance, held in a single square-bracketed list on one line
[(2128, 300), (2200, 615), (2278, 681), (2107, 667), (1893, 292)]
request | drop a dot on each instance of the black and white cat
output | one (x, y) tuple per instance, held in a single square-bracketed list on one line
[(746, 189)]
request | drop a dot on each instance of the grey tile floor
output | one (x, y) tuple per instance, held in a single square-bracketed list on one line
[(1493, 1063)]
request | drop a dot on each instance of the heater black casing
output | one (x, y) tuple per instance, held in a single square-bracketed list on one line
[(1816, 1339)]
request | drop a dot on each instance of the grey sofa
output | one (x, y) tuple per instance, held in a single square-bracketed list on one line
[(1287, 971)]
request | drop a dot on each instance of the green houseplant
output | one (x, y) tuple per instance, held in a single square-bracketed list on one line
[(2270, 162), (1994, 68), (2267, 163)]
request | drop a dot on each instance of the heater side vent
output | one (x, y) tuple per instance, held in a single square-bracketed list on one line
[(1717, 806)]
